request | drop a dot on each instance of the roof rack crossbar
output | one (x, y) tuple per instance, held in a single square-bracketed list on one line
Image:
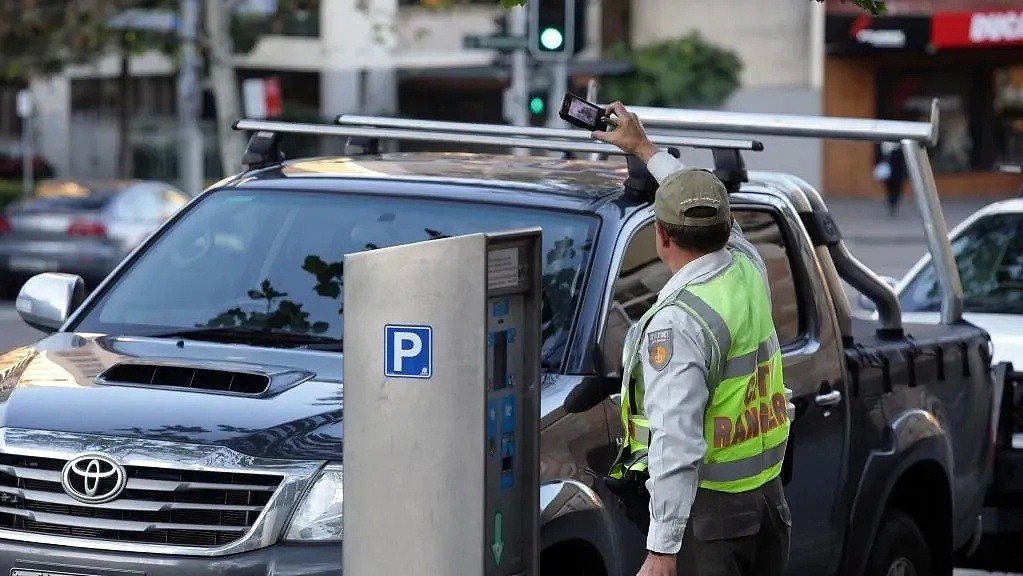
[(792, 124), (537, 132), (424, 136)]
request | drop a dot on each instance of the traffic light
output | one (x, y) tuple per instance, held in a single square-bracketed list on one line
[(557, 28), (537, 105)]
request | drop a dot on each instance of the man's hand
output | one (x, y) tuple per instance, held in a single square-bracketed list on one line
[(629, 136), (658, 565)]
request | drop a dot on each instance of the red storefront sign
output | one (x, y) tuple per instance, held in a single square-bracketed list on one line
[(272, 94), (977, 29)]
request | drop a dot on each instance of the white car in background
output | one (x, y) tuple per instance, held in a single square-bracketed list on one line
[(988, 249)]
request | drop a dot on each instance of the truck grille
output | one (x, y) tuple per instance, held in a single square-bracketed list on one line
[(157, 506)]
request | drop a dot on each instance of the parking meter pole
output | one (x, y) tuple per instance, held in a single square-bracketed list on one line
[(441, 390)]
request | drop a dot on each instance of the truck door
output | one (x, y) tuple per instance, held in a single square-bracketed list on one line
[(807, 330)]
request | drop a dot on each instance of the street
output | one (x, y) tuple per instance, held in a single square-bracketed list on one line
[(14, 332)]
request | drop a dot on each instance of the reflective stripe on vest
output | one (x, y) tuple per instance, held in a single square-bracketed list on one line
[(747, 418)]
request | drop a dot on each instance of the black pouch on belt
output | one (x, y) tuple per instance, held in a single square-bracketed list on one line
[(633, 497)]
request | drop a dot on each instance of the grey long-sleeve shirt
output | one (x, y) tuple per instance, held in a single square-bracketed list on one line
[(676, 393)]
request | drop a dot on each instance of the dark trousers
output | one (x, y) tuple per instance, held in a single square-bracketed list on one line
[(737, 534)]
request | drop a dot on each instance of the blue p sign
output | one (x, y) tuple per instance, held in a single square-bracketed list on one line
[(408, 351)]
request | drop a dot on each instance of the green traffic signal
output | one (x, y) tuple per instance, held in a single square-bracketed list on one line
[(552, 39), (536, 105)]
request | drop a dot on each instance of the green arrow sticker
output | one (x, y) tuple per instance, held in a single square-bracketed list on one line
[(498, 546)]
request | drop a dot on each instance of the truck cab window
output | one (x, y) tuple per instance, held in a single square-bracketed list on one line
[(642, 275), (762, 230)]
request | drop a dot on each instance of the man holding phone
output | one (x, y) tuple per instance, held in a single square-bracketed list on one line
[(696, 364)]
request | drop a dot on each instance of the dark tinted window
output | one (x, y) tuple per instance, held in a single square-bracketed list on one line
[(271, 258), (989, 255), (763, 231)]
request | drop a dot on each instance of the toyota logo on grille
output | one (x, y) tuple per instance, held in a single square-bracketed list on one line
[(93, 479)]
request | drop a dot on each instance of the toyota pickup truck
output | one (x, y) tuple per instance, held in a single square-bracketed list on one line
[(187, 417)]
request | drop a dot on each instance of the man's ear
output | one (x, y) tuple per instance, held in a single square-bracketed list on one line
[(661, 234)]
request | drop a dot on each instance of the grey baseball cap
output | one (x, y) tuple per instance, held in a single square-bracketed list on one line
[(692, 188)]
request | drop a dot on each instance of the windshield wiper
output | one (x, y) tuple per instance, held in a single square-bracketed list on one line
[(254, 334)]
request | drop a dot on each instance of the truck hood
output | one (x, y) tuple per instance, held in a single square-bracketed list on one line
[(52, 385)]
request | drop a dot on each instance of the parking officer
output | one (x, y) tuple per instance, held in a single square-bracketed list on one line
[(703, 403)]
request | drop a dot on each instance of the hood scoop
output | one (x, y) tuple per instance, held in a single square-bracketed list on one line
[(232, 378)]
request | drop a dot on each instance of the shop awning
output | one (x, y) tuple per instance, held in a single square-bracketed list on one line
[(923, 33)]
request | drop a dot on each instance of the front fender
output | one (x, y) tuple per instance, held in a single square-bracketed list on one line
[(914, 437), (571, 510)]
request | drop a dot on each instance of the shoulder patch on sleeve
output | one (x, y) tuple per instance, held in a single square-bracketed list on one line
[(659, 348)]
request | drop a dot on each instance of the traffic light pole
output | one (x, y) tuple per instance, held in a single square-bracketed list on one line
[(559, 85), (520, 81), (559, 69)]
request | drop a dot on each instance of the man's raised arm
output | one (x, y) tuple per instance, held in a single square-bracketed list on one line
[(631, 138)]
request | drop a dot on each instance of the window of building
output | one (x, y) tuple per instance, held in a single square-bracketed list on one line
[(642, 275), (980, 107), (1008, 109), (907, 94)]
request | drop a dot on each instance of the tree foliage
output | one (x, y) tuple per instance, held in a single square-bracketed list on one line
[(688, 72), (44, 36)]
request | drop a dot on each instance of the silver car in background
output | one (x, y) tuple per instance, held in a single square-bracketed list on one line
[(82, 228)]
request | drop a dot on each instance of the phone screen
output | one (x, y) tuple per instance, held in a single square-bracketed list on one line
[(583, 111)]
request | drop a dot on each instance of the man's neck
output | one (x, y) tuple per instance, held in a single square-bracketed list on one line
[(678, 259)]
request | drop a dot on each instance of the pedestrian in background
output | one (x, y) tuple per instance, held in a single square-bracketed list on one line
[(890, 170), (697, 363)]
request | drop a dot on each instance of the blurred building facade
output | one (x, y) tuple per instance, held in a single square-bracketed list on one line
[(967, 54), (780, 45), (367, 56), (404, 57)]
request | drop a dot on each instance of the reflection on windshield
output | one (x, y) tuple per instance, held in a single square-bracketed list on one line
[(989, 255), (275, 260)]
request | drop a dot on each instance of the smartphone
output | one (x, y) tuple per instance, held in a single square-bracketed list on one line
[(584, 114)]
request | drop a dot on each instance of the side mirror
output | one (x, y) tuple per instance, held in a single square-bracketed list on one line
[(866, 303), (48, 299), (590, 392)]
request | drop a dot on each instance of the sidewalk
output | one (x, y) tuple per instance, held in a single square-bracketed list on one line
[(866, 221)]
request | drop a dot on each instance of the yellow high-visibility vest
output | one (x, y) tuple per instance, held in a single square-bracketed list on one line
[(746, 424)]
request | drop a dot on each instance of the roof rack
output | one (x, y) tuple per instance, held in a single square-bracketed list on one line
[(537, 132), (913, 136), (264, 128), (792, 124), (365, 132)]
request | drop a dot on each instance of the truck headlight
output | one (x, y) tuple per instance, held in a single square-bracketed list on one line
[(318, 516)]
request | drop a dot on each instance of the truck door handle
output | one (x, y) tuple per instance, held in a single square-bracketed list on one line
[(829, 398)]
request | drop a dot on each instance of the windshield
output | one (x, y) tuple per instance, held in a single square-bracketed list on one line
[(273, 260), (989, 255)]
